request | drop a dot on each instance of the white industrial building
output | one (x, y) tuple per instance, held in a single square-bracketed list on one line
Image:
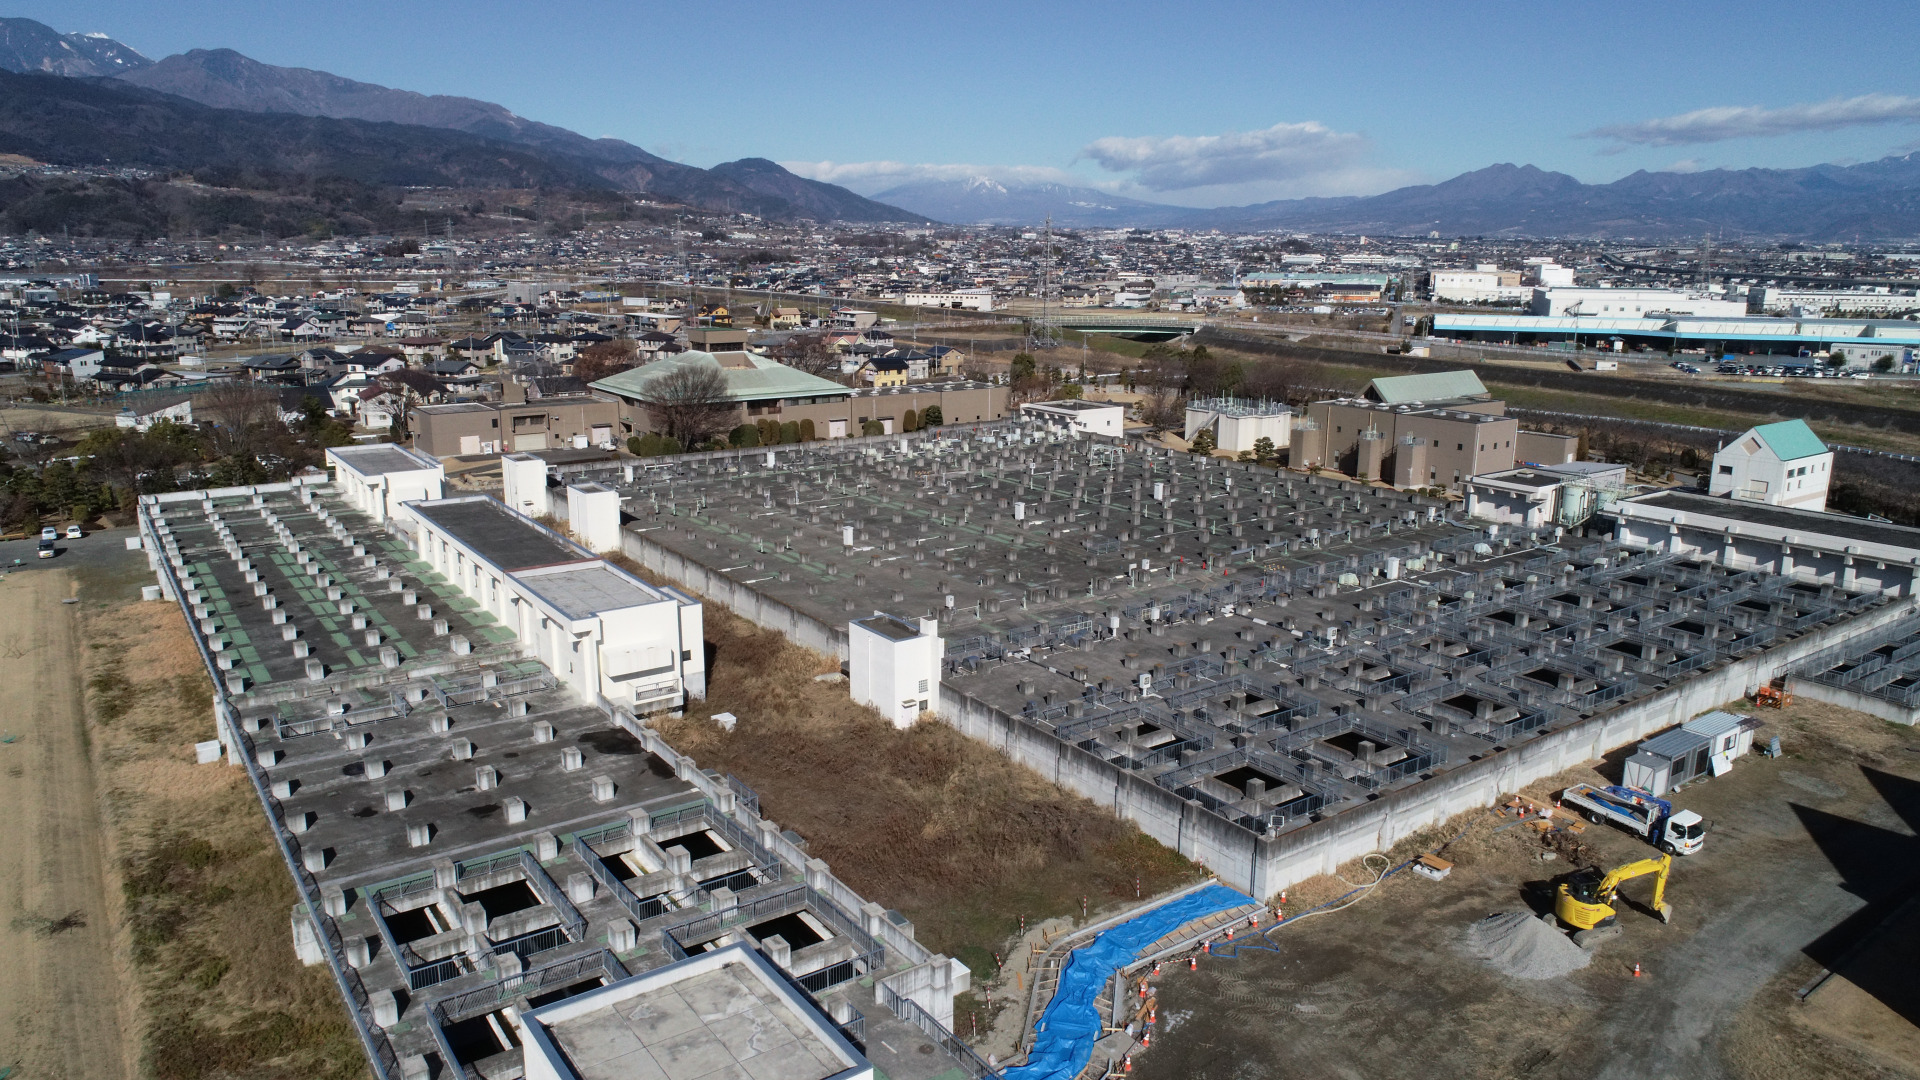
[(1783, 464), (1092, 417), (600, 630), (964, 299), (1483, 285), (1532, 497), (1633, 303), (893, 665), (375, 479), (1237, 424), (1831, 549), (1776, 301)]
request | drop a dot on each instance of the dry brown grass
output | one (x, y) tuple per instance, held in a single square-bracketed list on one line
[(206, 895), (925, 820)]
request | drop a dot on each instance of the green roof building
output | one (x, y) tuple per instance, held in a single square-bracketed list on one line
[(1783, 464)]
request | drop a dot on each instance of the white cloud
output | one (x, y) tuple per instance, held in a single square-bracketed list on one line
[(873, 177), (1753, 121), (1283, 152), (1686, 165)]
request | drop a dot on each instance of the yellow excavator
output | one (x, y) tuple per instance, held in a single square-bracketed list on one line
[(1583, 900)]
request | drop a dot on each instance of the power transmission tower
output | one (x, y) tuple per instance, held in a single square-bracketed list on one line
[(1041, 333)]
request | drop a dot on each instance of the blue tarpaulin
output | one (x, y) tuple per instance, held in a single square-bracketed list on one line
[(1064, 1038)]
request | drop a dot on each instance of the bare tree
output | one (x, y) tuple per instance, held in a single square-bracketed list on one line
[(408, 389), (810, 353), (692, 401), (245, 416), (599, 360)]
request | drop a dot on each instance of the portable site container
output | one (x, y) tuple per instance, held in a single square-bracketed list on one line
[(1667, 760), (1730, 734), (1705, 745)]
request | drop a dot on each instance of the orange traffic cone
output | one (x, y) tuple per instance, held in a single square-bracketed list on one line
[(1636, 971), (1193, 962), (1127, 1062), (1146, 1039)]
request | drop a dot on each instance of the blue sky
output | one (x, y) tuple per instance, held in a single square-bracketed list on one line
[(1192, 103)]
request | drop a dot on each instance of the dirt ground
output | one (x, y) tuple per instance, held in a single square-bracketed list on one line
[(204, 892), (145, 906), (927, 821), (62, 1013), (1805, 856)]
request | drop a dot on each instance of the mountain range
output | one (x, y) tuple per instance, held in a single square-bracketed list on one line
[(981, 200), (1877, 199), (214, 109), (224, 80)]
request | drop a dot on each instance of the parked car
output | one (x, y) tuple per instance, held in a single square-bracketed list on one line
[(49, 533), (73, 532)]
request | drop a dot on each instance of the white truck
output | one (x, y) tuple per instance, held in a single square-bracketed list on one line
[(1649, 817)]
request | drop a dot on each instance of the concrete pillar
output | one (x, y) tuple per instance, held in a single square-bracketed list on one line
[(622, 936), (775, 949), (580, 887)]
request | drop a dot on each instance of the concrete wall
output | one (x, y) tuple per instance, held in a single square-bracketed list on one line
[(1262, 866), (1886, 710), (761, 611)]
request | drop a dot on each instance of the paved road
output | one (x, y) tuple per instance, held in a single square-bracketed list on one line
[(106, 548)]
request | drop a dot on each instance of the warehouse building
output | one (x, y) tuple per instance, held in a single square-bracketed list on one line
[(1860, 340)]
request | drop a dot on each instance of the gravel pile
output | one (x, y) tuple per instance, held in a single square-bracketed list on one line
[(1517, 943)]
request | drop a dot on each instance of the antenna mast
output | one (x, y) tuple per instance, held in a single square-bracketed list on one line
[(1041, 334)]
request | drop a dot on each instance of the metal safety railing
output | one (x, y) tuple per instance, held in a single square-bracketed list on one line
[(964, 1056)]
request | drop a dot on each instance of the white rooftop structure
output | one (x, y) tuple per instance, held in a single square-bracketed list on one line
[(1092, 417), (602, 631), (1238, 423), (723, 1014), (376, 478)]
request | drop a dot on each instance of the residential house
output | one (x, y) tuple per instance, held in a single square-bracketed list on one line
[(654, 344), (918, 363), (77, 364), (235, 325), (22, 347), (151, 410), (294, 402), (463, 372), (376, 359), (422, 350), (302, 328), (369, 325), (882, 371), (784, 318), (478, 349), (281, 367), (120, 371), (946, 360)]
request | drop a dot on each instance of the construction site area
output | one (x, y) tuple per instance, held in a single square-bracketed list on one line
[(1226, 655), (467, 722)]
